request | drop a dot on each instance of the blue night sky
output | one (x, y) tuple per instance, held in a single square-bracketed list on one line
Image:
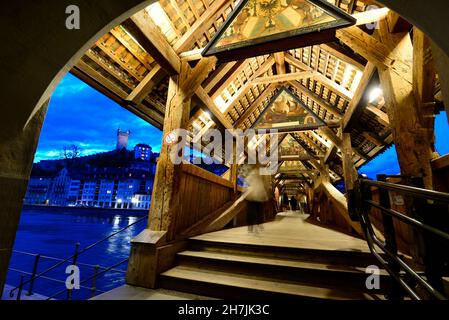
[(80, 115)]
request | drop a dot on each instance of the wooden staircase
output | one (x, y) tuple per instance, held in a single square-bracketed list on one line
[(259, 271)]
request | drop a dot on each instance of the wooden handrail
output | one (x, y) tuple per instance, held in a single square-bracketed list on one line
[(205, 175)]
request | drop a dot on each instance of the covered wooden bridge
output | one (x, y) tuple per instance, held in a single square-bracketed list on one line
[(357, 89)]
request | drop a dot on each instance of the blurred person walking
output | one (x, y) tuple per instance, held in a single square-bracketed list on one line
[(257, 196)]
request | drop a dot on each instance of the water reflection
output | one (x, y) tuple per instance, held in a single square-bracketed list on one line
[(55, 231)]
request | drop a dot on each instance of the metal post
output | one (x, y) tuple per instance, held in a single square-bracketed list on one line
[(33, 274), (430, 248), (94, 281), (19, 292), (75, 257), (390, 238)]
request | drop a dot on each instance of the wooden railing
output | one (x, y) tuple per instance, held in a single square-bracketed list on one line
[(203, 193)]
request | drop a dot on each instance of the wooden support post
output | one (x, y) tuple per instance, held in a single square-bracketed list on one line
[(146, 260), (413, 145), (349, 171)]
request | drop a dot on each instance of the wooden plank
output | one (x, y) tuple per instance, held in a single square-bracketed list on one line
[(194, 170), (441, 162), (355, 106), (149, 36)]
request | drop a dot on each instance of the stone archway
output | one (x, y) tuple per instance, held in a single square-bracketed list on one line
[(39, 50)]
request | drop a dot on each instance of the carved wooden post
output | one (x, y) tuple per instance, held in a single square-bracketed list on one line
[(151, 254), (349, 171), (414, 144)]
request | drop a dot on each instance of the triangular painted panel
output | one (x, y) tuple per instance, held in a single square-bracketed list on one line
[(258, 23), (288, 166), (287, 111), (290, 147)]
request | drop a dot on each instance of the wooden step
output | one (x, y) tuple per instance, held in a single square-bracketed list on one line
[(227, 285), (331, 257), (282, 268)]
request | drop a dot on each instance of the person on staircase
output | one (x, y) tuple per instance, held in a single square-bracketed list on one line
[(257, 196), (293, 203), (284, 202)]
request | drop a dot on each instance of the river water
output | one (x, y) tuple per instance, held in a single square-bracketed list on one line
[(53, 232)]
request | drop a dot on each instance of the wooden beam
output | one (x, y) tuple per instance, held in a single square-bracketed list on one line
[(371, 16), (149, 36), (198, 74), (424, 78), (218, 75), (442, 65), (191, 55), (344, 55), (279, 57), (240, 66), (244, 89), (304, 136), (328, 133), (201, 25), (166, 197), (284, 77), (376, 140), (317, 99), (349, 171), (331, 152), (210, 104), (373, 50), (111, 90), (397, 24), (345, 93), (382, 117), (355, 106), (413, 147), (154, 77)]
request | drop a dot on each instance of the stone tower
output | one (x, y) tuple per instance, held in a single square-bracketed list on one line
[(122, 139)]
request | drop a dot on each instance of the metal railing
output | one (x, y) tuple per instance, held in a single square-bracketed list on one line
[(426, 214), (98, 270)]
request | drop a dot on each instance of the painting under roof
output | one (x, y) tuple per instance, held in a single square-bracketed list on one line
[(287, 111), (290, 148), (261, 25)]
